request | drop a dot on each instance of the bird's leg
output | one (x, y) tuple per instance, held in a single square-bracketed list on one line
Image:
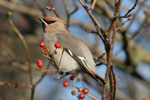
[(63, 75)]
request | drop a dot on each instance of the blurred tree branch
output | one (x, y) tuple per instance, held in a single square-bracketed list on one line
[(24, 10)]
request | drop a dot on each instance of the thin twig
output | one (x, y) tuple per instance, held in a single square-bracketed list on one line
[(100, 60), (135, 15), (92, 97), (117, 80), (26, 48), (39, 6), (54, 9), (91, 31), (98, 27), (25, 45), (126, 15), (74, 10), (93, 5), (101, 56), (42, 76), (117, 8), (69, 13), (142, 25), (123, 23)]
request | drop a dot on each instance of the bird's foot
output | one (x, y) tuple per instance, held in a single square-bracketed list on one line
[(63, 75)]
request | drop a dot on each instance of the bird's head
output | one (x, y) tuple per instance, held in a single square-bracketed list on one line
[(52, 24)]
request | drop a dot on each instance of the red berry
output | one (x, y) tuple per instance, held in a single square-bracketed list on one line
[(144, 99), (73, 92), (86, 90), (42, 44), (39, 63), (66, 84), (81, 95), (73, 77), (57, 45), (46, 49), (80, 89)]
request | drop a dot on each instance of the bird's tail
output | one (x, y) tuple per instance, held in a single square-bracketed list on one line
[(97, 77), (100, 80)]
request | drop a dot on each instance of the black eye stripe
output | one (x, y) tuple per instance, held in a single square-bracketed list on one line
[(49, 22)]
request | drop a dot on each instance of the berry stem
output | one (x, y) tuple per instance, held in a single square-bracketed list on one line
[(92, 97), (81, 82), (46, 56), (61, 58), (51, 71), (73, 83)]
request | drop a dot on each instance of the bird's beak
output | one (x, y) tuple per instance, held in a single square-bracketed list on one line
[(41, 19), (43, 23)]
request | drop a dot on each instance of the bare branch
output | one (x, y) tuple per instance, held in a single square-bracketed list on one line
[(100, 31), (27, 52), (126, 15), (123, 23), (135, 15), (39, 6), (23, 10), (69, 13), (100, 60), (93, 5), (53, 9), (90, 31), (142, 25), (42, 76), (15, 85), (117, 80), (109, 52), (116, 14), (25, 45)]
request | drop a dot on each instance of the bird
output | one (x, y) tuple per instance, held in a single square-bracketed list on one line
[(77, 57)]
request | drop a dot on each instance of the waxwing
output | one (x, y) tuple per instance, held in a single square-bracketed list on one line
[(76, 58)]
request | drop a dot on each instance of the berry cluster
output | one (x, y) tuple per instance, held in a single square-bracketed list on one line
[(80, 93), (46, 50)]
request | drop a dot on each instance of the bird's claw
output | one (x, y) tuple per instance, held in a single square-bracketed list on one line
[(63, 75), (57, 78)]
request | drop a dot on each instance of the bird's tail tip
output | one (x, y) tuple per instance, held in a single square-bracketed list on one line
[(100, 80)]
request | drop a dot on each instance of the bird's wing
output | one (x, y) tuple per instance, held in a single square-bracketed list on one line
[(73, 46), (70, 42), (85, 67)]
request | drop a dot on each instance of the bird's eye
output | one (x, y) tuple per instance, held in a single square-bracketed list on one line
[(49, 22)]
